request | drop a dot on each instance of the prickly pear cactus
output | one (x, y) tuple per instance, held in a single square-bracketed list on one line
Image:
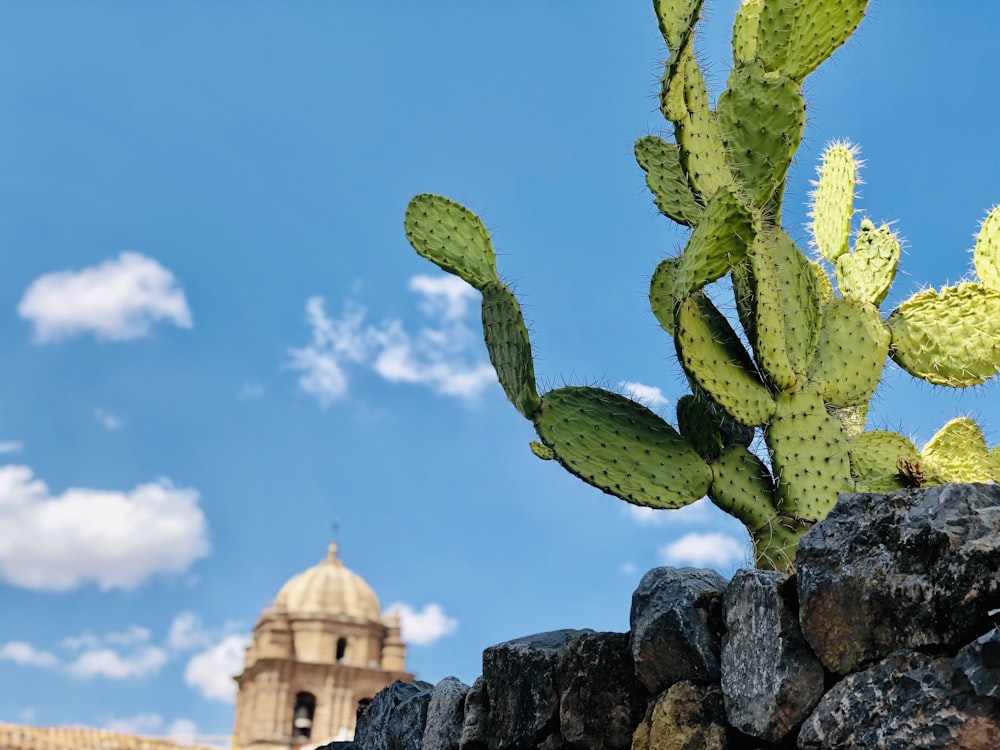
[(817, 340)]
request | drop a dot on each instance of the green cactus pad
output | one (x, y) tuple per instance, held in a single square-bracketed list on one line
[(676, 19), (453, 237), (742, 487), (833, 200), (698, 427), (744, 41), (712, 354), (719, 242), (665, 178), (852, 419), (761, 118), (663, 293), (867, 273), (875, 460), (824, 287), (958, 453), (509, 348), (544, 452), (795, 36), (850, 354), (951, 337), (995, 463), (621, 447), (986, 255), (809, 455)]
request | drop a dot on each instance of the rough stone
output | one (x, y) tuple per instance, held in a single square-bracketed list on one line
[(445, 715), (676, 626), (522, 693), (395, 719), (770, 678), (908, 700), (685, 717), (980, 663), (475, 728), (601, 702), (911, 569)]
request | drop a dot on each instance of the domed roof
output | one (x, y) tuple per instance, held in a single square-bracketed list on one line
[(329, 590)]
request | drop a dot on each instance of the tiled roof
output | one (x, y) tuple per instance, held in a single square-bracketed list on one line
[(19, 737)]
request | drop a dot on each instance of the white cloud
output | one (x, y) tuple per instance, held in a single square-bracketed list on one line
[(117, 300), (135, 635), (106, 662), (183, 731), (141, 724), (647, 395), (27, 655), (11, 446), (26, 715), (699, 511), (187, 632), (629, 568), (108, 420), (440, 356), (424, 627), (211, 672), (115, 539), (711, 549)]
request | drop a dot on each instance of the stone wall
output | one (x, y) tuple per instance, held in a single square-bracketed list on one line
[(886, 637)]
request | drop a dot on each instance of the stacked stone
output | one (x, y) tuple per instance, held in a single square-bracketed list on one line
[(885, 637)]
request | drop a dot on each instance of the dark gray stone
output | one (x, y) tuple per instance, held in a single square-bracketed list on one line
[(445, 715), (908, 700), (475, 726), (676, 626), (980, 663), (911, 569), (523, 697), (395, 718), (770, 678), (600, 702)]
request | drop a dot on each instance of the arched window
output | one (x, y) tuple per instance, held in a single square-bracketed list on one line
[(302, 718), (341, 648)]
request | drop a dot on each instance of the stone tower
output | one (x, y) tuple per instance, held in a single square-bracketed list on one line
[(318, 652)]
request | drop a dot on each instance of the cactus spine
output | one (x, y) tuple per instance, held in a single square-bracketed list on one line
[(818, 344)]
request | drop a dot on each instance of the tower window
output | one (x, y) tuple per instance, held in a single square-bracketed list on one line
[(341, 648), (302, 718)]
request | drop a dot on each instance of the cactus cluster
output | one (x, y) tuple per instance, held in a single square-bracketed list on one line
[(817, 340)]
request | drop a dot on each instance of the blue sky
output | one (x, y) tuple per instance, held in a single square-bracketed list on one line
[(216, 341)]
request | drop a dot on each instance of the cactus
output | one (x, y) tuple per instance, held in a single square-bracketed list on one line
[(817, 340)]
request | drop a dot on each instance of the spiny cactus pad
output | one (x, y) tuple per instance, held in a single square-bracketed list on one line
[(866, 273), (795, 36), (662, 163), (875, 459), (850, 354), (621, 447), (509, 348), (986, 255), (452, 237), (663, 293), (958, 453), (718, 243), (742, 487), (833, 201), (949, 337)]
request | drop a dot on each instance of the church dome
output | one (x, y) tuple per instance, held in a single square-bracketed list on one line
[(329, 590)]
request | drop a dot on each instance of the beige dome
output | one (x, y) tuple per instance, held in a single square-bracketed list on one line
[(329, 590)]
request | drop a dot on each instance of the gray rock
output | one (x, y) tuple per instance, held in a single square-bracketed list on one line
[(523, 697), (905, 701), (676, 626), (770, 678), (685, 717), (475, 726), (445, 715), (980, 663), (395, 719), (600, 702), (912, 569)]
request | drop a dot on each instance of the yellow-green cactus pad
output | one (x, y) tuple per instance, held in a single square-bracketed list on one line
[(824, 287), (852, 419), (718, 243), (958, 453), (795, 36), (986, 255), (761, 117), (453, 237), (509, 348), (742, 487), (541, 450), (676, 19), (875, 460), (621, 447), (745, 31), (809, 455), (867, 273), (696, 424), (833, 200), (662, 163), (951, 337), (663, 299), (713, 356), (851, 352), (995, 463)]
